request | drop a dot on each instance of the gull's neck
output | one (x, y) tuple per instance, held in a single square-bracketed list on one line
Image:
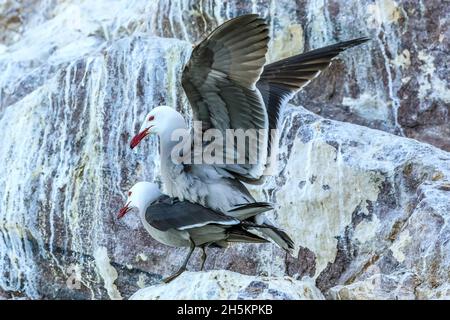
[(145, 203), (167, 143), (170, 169)]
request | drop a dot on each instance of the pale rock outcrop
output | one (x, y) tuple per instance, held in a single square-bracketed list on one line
[(226, 285)]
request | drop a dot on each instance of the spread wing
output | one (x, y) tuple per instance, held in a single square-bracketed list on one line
[(282, 79), (219, 81)]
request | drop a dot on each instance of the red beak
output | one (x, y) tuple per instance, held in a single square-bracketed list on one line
[(124, 211), (137, 138)]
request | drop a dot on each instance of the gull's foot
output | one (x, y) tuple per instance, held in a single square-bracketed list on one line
[(176, 274)]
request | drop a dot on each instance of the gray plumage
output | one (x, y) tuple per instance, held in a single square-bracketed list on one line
[(186, 224), (170, 213), (207, 226), (189, 221)]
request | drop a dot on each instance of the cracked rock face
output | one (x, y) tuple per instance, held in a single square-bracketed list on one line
[(368, 210), (385, 234)]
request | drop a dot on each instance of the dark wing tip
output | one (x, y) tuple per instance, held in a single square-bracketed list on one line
[(265, 205), (352, 43), (242, 21), (249, 16)]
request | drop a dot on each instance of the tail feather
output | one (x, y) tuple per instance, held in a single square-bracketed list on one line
[(239, 234), (280, 237), (258, 226)]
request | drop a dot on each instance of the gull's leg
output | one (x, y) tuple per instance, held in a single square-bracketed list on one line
[(203, 257), (183, 267)]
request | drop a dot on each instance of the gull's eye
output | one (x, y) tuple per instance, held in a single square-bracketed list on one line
[(151, 118), (129, 193)]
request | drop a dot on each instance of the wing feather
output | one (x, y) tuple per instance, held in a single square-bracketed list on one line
[(168, 213), (220, 81)]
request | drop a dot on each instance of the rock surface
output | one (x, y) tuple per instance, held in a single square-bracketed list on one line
[(226, 285), (368, 210)]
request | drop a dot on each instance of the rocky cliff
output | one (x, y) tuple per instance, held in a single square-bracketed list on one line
[(368, 209)]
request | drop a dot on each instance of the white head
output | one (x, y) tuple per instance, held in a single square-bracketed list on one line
[(140, 196), (162, 120)]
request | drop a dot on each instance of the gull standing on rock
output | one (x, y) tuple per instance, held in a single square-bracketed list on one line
[(229, 87), (184, 224)]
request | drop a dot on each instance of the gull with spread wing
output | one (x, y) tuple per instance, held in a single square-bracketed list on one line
[(229, 87)]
